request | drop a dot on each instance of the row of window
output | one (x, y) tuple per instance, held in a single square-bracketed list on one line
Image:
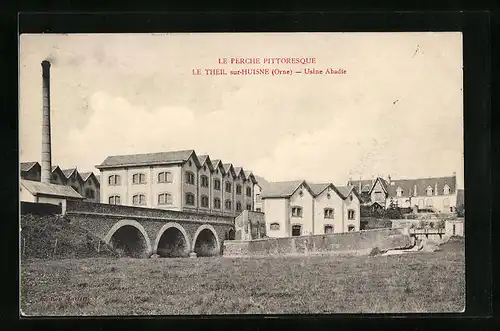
[(328, 213), (297, 229), (166, 177), (166, 199), (429, 191)]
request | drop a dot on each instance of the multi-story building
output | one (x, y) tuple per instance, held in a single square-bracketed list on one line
[(176, 180), (295, 208), (436, 193), (87, 184)]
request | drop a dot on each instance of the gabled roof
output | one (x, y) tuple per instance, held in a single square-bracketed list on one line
[(68, 172), (27, 166), (408, 185), (346, 190), (317, 189), (283, 189), (218, 164), (172, 157), (39, 188), (86, 175), (383, 183), (205, 159), (366, 184), (240, 172), (249, 175), (228, 167)]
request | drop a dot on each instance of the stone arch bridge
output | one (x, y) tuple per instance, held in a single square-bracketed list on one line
[(142, 232)]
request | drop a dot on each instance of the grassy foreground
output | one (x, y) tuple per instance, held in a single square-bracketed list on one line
[(415, 282)]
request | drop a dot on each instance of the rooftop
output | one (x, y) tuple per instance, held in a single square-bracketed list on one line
[(171, 157), (39, 188)]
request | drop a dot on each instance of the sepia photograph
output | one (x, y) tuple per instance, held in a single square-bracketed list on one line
[(241, 173)]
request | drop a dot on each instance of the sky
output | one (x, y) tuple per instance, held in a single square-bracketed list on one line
[(397, 111)]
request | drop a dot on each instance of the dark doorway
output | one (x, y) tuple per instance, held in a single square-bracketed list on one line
[(172, 244), (206, 244), (129, 241), (231, 234), (296, 229), (328, 228)]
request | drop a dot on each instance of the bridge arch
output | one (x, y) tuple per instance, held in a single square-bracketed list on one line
[(126, 235), (172, 241), (205, 241)]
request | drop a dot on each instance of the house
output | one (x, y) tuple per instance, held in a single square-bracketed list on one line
[(38, 192), (295, 208), (436, 193), (176, 180), (90, 187)]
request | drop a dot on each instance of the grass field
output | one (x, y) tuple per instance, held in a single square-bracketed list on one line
[(415, 282)]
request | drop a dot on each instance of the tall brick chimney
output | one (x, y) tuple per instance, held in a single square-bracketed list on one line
[(46, 164)]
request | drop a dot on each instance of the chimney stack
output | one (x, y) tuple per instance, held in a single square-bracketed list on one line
[(46, 165)]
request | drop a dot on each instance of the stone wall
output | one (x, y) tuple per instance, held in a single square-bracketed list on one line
[(361, 242), (250, 225), (103, 208)]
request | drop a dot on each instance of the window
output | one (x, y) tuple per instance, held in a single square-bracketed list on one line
[(249, 207), (189, 178), (329, 212), (190, 199), (399, 192), (165, 177), (351, 228), (249, 191), (238, 206), (429, 190), (301, 193), (54, 177), (139, 199), (114, 200), (139, 178), (328, 195), (217, 184), (274, 226), (90, 193), (446, 203), (190, 163), (454, 229), (257, 197), (204, 201), (296, 229), (228, 187), (204, 181), (429, 203), (228, 204), (350, 197), (350, 214), (258, 209), (216, 203), (446, 190), (296, 212), (328, 228), (164, 199), (217, 171), (114, 180), (238, 189)]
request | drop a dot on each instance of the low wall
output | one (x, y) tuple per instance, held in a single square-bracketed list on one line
[(361, 242)]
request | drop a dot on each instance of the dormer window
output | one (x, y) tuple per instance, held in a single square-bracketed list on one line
[(399, 192), (190, 163), (446, 190), (301, 193), (429, 190)]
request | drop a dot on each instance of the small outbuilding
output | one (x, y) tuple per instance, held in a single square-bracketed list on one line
[(38, 192)]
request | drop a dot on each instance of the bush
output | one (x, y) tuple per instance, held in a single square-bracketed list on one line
[(375, 251)]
